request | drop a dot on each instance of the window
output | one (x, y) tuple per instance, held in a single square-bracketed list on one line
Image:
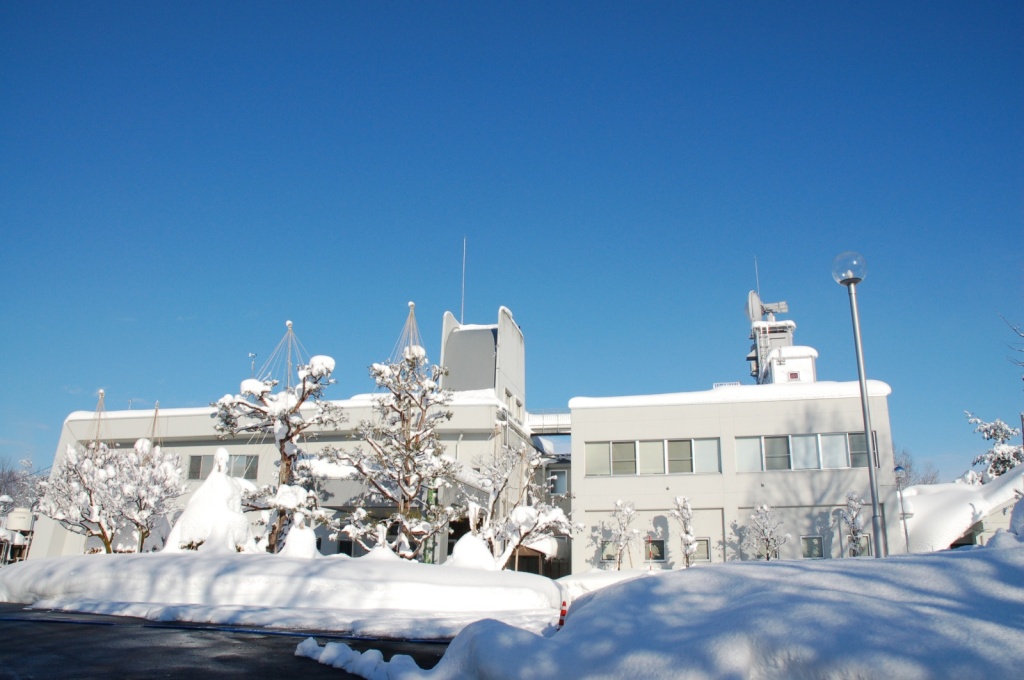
[(748, 454), (623, 458), (858, 450), (813, 547), (345, 547), (703, 553), (805, 452), (861, 547), (654, 550), (834, 453), (598, 462), (776, 453), (558, 481), (680, 456), (200, 467), (706, 456), (608, 551), (652, 458)]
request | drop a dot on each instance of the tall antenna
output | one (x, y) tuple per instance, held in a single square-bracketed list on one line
[(757, 278), (462, 311)]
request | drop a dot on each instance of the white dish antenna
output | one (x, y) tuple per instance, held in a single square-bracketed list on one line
[(756, 310)]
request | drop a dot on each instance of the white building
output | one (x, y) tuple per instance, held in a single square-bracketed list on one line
[(790, 441)]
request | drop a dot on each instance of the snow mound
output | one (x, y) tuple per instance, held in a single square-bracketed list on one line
[(952, 615), (213, 518), (471, 552)]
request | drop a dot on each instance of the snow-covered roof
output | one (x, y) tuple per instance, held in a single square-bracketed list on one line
[(729, 394)]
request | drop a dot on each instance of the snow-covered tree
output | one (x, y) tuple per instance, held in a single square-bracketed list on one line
[(287, 415), (151, 480), (764, 536), (401, 461), (852, 524), (19, 483), (83, 493), (683, 513), (517, 510), (618, 532), (1002, 457), (109, 493)]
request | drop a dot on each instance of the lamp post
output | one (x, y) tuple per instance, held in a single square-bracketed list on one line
[(849, 269), (901, 477)]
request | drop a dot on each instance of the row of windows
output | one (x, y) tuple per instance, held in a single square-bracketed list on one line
[(802, 452), (199, 467), (813, 547), (654, 457), (753, 454), (654, 550)]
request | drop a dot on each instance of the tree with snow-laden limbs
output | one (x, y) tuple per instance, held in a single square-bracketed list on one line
[(287, 415), (619, 531), (151, 481), (103, 492), (683, 513), (516, 511), (1002, 457), (852, 524), (400, 460), (19, 483), (764, 536)]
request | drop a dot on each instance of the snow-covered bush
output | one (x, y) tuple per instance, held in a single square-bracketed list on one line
[(288, 416), (851, 524), (683, 513), (212, 520), (401, 464), (1002, 457), (517, 510), (618, 533), (764, 536)]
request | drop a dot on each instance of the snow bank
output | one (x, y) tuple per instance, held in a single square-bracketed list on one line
[(369, 595), (954, 614)]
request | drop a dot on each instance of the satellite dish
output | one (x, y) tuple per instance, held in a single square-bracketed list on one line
[(754, 309)]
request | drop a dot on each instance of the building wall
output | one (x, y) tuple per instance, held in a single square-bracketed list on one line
[(807, 501)]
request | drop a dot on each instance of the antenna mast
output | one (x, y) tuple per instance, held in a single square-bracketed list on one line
[(462, 311)]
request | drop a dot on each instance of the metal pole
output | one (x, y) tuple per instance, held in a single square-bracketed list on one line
[(876, 519), (903, 515)]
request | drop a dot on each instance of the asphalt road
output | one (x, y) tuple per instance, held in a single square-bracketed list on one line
[(45, 644)]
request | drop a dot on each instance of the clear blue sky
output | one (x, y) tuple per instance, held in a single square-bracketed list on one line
[(178, 179)]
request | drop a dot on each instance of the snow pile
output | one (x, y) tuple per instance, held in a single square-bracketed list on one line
[(377, 594), (213, 519), (955, 614), (938, 514)]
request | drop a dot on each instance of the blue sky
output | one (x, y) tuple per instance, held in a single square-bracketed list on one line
[(178, 179)]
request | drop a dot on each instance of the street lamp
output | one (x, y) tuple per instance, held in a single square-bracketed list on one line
[(849, 269), (901, 479)]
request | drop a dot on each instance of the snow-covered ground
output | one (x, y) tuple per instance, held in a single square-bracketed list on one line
[(952, 614)]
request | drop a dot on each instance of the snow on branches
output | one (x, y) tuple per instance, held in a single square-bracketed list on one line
[(620, 535), (401, 464), (764, 536), (683, 513), (288, 416), (852, 524), (516, 511), (103, 492), (1002, 457)]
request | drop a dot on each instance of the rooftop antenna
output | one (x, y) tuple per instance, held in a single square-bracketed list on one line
[(757, 278), (462, 311)]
